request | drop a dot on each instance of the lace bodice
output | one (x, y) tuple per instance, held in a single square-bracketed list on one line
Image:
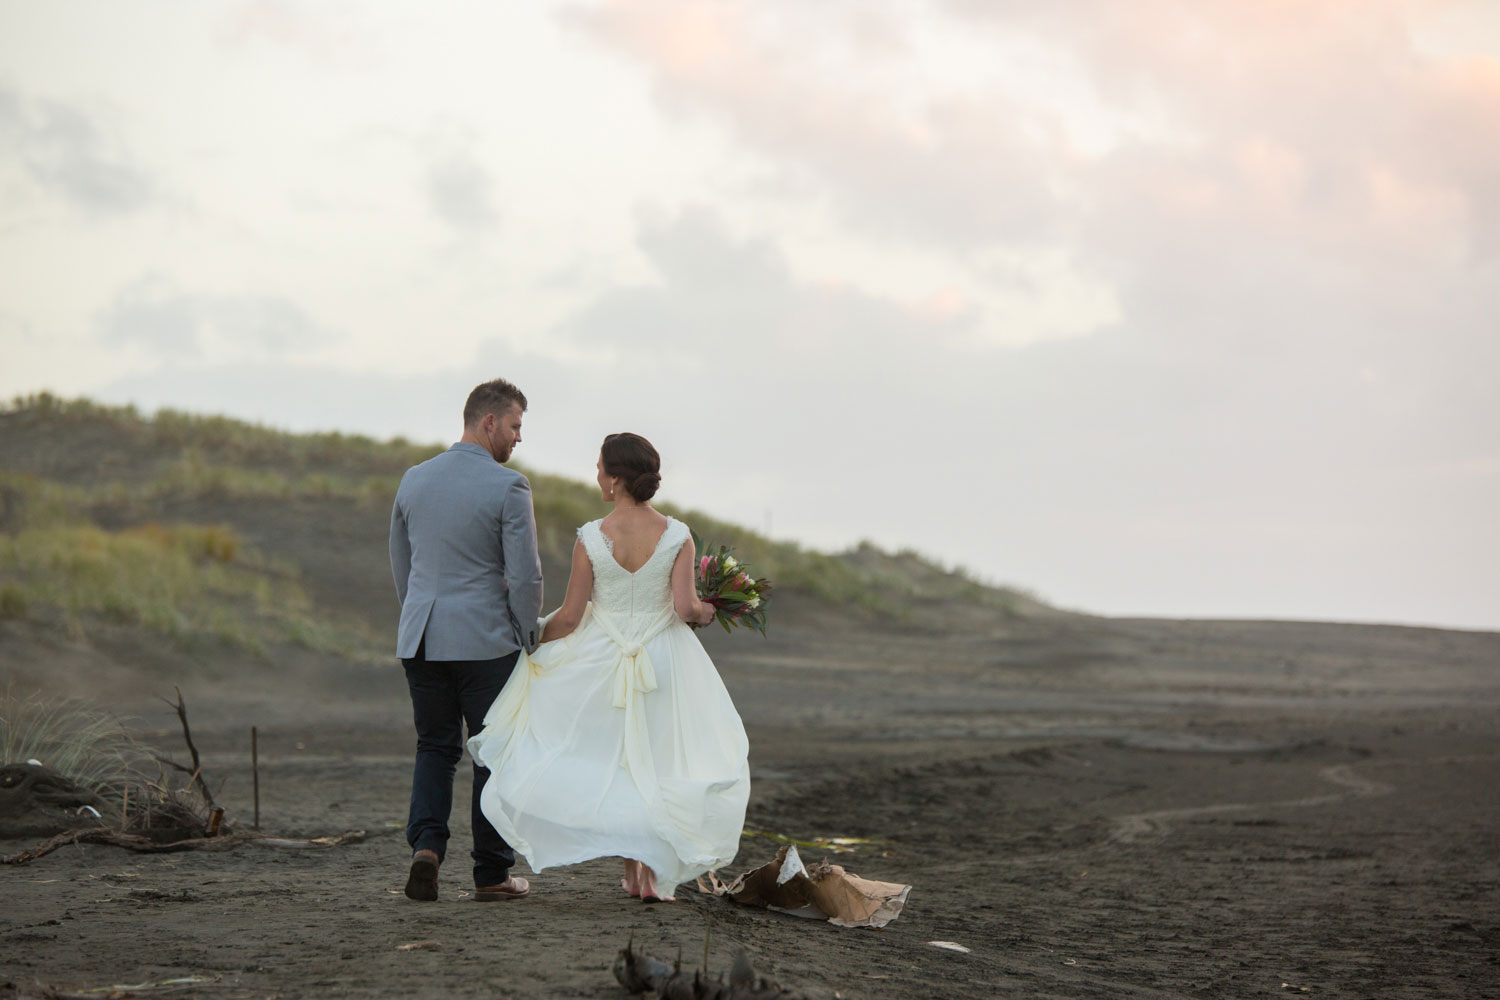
[(644, 594)]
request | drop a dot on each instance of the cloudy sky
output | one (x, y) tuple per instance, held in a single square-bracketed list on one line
[(1167, 307)]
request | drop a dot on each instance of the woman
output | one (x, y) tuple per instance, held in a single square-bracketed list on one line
[(617, 737)]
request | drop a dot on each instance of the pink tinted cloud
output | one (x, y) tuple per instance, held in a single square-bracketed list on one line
[(899, 163), (1318, 115), (293, 27), (1317, 118)]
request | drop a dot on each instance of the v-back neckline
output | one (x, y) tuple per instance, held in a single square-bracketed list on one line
[(609, 546)]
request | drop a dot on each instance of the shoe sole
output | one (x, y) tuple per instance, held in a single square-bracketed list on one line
[(480, 896), (421, 882), (496, 897)]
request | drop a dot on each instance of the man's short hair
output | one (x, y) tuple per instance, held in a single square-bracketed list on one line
[(494, 396)]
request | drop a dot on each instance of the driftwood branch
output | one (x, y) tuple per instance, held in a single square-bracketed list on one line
[(42, 991), (171, 763), (197, 769), (145, 845)]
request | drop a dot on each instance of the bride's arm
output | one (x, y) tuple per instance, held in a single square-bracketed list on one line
[(685, 591), (580, 584)]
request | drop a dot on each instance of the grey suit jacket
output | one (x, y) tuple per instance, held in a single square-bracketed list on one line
[(464, 556)]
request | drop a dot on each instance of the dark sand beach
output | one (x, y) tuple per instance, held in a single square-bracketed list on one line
[(1093, 807)]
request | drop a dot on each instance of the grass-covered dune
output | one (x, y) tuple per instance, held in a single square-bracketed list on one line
[(207, 529)]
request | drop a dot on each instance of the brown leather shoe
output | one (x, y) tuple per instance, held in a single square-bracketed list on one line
[(421, 882), (514, 887)]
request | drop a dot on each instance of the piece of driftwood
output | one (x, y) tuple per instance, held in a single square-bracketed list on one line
[(169, 815), (196, 771), (640, 973), (145, 845), (139, 991)]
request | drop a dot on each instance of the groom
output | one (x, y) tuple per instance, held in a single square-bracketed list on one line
[(464, 556)]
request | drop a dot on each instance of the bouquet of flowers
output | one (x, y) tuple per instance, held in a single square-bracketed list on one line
[(725, 582)]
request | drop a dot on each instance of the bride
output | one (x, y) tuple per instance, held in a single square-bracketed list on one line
[(618, 738)]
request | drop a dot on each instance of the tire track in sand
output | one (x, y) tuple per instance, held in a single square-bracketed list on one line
[(1156, 824)]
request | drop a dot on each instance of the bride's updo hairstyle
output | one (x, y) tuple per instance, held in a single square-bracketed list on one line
[(632, 458)]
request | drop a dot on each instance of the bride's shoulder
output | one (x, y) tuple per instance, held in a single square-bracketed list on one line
[(589, 529), (676, 531)]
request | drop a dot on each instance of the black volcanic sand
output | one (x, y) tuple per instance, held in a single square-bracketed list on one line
[(1095, 808)]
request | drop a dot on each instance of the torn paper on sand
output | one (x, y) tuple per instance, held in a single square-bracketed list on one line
[(821, 891)]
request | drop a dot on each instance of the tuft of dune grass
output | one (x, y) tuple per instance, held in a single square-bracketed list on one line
[(90, 747)]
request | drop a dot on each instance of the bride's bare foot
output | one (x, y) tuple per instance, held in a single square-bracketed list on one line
[(649, 891), (631, 883)]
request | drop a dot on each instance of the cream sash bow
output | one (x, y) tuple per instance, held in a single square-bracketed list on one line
[(633, 670)]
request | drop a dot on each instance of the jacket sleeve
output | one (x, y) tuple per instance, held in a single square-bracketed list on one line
[(523, 565), (400, 550)]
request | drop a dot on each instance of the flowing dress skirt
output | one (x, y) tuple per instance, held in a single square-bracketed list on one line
[(604, 745)]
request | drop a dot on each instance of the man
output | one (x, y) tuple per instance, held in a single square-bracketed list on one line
[(464, 556)]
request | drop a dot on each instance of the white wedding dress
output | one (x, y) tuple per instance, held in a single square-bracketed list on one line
[(619, 739)]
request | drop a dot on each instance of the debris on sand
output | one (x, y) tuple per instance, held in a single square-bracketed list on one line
[(89, 773), (822, 891), (159, 818), (640, 973), (166, 987), (950, 946)]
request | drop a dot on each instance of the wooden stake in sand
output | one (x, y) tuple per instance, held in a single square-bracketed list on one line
[(255, 771)]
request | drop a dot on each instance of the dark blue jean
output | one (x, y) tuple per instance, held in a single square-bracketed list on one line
[(444, 695)]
